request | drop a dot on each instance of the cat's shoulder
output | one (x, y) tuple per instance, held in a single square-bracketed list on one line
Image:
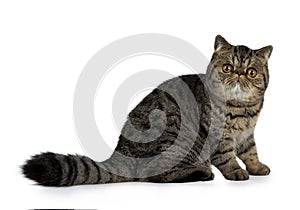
[(188, 79)]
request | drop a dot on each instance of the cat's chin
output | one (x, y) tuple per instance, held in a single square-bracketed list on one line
[(238, 96), (242, 103)]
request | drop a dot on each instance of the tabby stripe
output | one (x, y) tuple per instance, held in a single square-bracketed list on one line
[(252, 144), (219, 152), (249, 146), (238, 59), (186, 161), (251, 137), (168, 96), (254, 114), (247, 115), (174, 124), (58, 179), (231, 116), (228, 139), (248, 54), (171, 132), (253, 154), (70, 171), (111, 178), (223, 162), (235, 50), (265, 80), (110, 175), (214, 158), (73, 166), (218, 157), (204, 131), (86, 170), (235, 167), (98, 171), (249, 58)]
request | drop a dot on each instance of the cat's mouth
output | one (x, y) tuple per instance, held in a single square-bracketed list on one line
[(237, 92), (235, 87)]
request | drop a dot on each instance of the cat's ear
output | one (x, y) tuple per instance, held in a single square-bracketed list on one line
[(264, 52), (220, 43)]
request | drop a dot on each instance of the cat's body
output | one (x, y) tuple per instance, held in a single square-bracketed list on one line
[(212, 125)]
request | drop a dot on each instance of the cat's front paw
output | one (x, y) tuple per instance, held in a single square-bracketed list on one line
[(259, 170), (237, 175)]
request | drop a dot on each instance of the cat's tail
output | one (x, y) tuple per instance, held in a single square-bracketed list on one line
[(51, 169)]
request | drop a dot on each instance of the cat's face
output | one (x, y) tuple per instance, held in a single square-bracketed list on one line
[(240, 71)]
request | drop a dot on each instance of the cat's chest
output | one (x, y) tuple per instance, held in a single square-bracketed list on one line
[(240, 123), (239, 128)]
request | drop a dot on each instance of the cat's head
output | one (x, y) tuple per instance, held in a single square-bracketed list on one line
[(242, 73)]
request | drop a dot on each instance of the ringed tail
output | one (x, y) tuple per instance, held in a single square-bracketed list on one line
[(51, 169)]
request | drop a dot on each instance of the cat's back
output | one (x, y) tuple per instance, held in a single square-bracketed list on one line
[(193, 81), (185, 84), (183, 95)]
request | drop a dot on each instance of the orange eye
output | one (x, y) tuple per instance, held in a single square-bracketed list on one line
[(227, 68), (251, 72)]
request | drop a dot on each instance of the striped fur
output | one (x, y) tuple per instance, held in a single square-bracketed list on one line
[(240, 91)]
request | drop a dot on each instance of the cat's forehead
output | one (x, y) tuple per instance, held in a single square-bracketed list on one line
[(242, 50), (241, 55), (239, 51)]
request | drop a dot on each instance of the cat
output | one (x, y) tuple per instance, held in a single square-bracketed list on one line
[(228, 98)]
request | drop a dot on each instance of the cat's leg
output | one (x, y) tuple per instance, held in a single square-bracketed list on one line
[(180, 174), (249, 156), (195, 175), (224, 159)]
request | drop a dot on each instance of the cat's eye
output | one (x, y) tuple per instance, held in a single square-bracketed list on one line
[(227, 68), (251, 72)]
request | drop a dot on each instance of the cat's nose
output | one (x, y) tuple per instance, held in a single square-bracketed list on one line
[(240, 71)]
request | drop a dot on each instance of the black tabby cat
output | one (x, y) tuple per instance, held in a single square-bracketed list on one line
[(229, 98)]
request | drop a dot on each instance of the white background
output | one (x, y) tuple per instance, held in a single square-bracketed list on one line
[(44, 46)]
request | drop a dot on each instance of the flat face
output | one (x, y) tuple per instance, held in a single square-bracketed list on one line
[(241, 71)]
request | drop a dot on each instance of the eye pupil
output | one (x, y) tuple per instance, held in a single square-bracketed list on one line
[(252, 73), (227, 68)]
